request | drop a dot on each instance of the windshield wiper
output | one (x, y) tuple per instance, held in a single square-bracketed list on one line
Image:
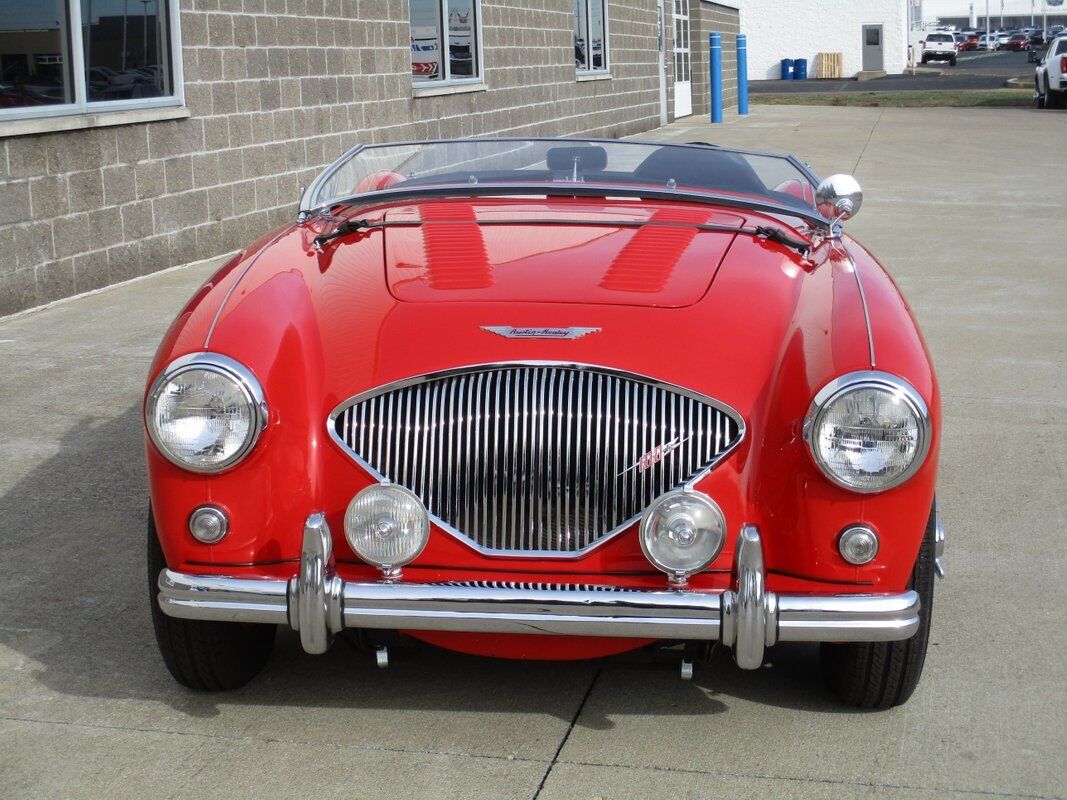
[(344, 229), (778, 236)]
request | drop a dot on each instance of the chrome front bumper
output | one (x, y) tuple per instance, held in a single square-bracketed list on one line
[(319, 604)]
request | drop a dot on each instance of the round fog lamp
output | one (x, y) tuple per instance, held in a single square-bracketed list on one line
[(208, 524), (387, 526), (682, 532), (858, 545)]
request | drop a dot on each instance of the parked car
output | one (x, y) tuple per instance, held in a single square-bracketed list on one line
[(1050, 76), (970, 42), (987, 41), (462, 395), (939, 47), (1017, 42), (1003, 37)]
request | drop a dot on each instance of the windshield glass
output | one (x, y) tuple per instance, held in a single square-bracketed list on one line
[(488, 162)]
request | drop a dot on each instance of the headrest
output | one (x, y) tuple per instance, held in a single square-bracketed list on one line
[(590, 158)]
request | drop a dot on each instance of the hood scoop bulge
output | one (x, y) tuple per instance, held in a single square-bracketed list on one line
[(551, 253)]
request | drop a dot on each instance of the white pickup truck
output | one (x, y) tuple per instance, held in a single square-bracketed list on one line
[(1050, 77), (939, 47)]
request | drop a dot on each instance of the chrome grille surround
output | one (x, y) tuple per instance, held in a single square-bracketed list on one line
[(440, 435)]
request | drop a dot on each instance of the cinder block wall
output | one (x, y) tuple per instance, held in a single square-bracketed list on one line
[(276, 90)]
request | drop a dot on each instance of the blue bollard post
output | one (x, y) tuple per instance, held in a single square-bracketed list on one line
[(715, 45), (742, 74)]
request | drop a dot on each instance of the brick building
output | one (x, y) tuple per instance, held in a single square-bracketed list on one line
[(163, 135)]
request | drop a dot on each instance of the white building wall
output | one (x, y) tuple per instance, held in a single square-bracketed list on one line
[(778, 29)]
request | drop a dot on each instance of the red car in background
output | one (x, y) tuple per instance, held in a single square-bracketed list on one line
[(969, 41), (1018, 41), (549, 399)]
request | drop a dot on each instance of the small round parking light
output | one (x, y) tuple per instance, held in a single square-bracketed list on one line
[(208, 524), (858, 545), (681, 533), (387, 526)]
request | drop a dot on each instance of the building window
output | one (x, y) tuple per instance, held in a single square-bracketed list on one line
[(61, 57), (590, 35), (445, 42)]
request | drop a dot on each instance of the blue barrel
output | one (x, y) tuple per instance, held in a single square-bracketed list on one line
[(800, 69), (787, 69)]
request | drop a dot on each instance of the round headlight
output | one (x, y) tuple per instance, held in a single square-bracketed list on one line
[(205, 412), (387, 526), (682, 532), (868, 431)]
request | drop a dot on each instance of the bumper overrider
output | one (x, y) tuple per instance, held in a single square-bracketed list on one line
[(747, 618)]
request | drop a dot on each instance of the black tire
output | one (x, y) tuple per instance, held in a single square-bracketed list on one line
[(206, 656), (925, 59), (1039, 96), (1054, 99), (952, 61), (884, 674)]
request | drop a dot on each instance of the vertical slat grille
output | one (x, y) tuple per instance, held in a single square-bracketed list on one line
[(536, 458)]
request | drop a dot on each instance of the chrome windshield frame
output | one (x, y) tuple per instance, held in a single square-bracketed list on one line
[(541, 188)]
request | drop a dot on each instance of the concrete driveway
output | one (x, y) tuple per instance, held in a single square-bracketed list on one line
[(966, 209)]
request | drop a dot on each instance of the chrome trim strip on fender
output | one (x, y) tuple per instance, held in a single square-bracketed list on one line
[(863, 299), (233, 286)]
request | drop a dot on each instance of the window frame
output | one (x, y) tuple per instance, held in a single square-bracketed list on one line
[(446, 60), (82, 106), (606, 69)]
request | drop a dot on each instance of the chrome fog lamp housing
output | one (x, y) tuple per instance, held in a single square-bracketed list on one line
[(387, 526), (868, 431), (205, 412), (681, 533)]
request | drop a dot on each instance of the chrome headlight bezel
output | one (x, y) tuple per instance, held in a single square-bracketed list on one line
[(228, 368), (869, 379)]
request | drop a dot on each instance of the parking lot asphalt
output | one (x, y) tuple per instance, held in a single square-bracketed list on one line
[(88, 711), (972, 71)]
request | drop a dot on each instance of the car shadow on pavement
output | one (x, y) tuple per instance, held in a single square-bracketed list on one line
[(75, 623)]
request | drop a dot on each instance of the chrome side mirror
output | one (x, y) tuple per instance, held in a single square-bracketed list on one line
[(839, 198)]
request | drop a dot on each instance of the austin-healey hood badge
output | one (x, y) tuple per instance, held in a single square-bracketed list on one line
[(510, 332)]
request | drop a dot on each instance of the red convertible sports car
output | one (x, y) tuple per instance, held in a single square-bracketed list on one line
[(549, 399)]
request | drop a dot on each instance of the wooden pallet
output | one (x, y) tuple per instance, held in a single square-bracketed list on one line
[(829, 65)]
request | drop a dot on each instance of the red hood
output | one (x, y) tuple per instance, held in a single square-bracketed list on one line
[(468, 252)]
